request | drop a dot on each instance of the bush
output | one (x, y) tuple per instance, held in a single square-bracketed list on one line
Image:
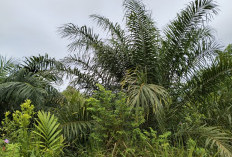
[(18, 128)]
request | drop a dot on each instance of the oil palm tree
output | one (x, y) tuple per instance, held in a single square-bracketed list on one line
[(31, 80), (180, 59), (167, 58), (185, 46)]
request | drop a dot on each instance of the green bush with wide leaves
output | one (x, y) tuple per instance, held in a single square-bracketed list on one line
[(24, 139)]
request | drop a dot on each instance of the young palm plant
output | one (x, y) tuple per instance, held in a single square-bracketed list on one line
[(49, 138)]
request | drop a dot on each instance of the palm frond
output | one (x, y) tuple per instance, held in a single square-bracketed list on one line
[(74, 117), (143, 38), (32, 80), (185, 37), (194, 16), (213, 136), (49, 136), (216, 137), (19, 88), (22, 85), (6, 66), (209, 79), (142, 94), (83, 37), (44, 66), (115, 29)]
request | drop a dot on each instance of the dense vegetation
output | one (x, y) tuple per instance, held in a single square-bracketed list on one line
[(139, 91)]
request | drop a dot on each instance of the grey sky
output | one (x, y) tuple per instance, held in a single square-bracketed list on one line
[(29, 27)]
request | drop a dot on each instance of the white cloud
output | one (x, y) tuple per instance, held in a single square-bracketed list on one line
[(29, 27)]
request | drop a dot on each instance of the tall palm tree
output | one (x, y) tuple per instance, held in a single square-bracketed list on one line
[(181, 59), (185, 47), (185, 42)]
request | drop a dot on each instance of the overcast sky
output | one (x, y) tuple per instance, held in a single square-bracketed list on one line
[(29, 27)]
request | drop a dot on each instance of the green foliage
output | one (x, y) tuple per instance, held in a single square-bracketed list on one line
[(188, 40), (24, 140), (113, 120), (31, 80), (73, 115), (17, 129), (152, 144), (50, 140), (9, 149), (143, 94), (185, 61), (44, 66), (6, 67), (152, 98), (116, 131), (177, 99), (210, 138), (186, 44)]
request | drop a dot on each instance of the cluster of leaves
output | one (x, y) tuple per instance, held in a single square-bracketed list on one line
[(75, 119), (117, 130), (29, 138), (113, 120), (32, 80)]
